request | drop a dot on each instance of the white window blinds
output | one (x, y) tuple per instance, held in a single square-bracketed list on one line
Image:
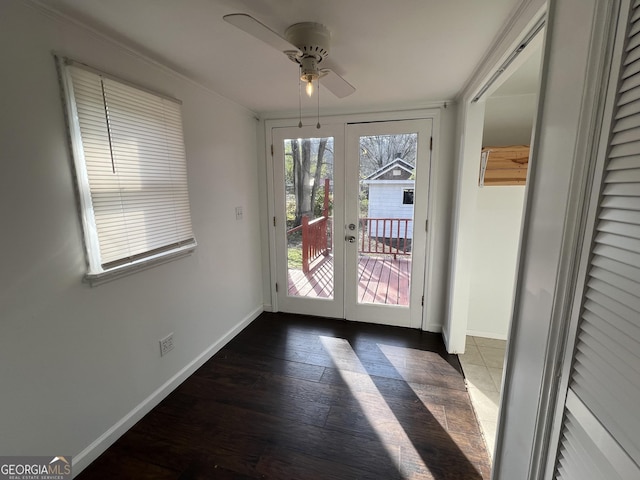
[(604, 382), (131, 171)]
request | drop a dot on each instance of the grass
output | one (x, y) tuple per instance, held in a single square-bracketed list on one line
[(294, 256)]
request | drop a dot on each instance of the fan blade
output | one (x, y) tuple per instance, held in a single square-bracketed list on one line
[(260, 31), (336, 84)]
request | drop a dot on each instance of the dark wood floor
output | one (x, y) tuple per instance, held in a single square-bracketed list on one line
[(295, 397)]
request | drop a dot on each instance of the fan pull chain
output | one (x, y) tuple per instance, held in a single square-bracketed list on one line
[(318, 124), (300, 97)]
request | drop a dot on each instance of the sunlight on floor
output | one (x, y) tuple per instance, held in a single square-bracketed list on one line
[(412, 373), (398, 357), (371, 401), (482, 363)]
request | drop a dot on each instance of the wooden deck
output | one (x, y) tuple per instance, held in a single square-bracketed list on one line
[(381, 280)]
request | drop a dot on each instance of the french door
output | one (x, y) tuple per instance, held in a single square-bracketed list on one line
[(351, 203), (308, 165)]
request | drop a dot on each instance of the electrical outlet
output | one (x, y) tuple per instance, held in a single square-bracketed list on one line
[(166, 344)]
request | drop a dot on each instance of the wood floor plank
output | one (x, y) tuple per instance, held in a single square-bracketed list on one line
[(264, 364), (295, 465), (302, 397), (116, 463)]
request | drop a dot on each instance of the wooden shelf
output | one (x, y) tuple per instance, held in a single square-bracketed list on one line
[(504, 165)]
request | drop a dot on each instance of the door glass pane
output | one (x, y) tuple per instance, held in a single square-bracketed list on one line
[(308, 197), (385, 227)]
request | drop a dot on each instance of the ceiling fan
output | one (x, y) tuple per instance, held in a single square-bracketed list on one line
[(306, 44)]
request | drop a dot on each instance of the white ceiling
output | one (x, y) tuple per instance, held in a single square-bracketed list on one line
[(397, 53)]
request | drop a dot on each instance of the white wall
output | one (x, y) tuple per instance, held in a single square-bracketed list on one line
[(75, 360), (470, 124), (493, 256), (509, 120)]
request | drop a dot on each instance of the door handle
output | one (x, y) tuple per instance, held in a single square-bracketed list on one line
[(350, 239)]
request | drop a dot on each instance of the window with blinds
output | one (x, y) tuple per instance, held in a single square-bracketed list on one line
[(131, 168), (601, 430)]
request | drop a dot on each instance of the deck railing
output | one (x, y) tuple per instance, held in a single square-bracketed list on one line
[(316, 233), (390, 236), (314, 240), (385, 236), (382, 236)]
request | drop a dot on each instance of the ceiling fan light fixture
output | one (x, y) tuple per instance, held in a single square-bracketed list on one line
[(309, 86), (309, 73)]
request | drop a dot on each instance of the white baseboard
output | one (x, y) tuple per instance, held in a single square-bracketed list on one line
[(104, 441), (497, 336)]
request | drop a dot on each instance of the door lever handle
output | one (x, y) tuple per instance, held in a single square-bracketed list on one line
[(350, 239)]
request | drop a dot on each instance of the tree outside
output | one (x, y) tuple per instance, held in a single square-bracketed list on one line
[(308, 162), (377, 151)]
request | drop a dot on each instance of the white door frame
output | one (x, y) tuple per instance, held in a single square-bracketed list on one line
[(469, 130), (432, 308)]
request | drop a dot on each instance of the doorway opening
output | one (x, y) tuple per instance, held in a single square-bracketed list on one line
[(495, 217)]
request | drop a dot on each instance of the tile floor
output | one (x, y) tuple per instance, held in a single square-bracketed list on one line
[(482, 365)]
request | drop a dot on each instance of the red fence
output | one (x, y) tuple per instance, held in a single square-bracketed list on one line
[(316, 233), (383, 236), (314, 240), (389, 236)]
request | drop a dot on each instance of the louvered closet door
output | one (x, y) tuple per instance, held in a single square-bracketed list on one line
[(600, 436)]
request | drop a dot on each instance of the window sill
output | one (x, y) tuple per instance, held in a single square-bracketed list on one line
[(96, 279)]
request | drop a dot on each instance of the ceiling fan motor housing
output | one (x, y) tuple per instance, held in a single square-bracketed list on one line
[(312, 39)]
